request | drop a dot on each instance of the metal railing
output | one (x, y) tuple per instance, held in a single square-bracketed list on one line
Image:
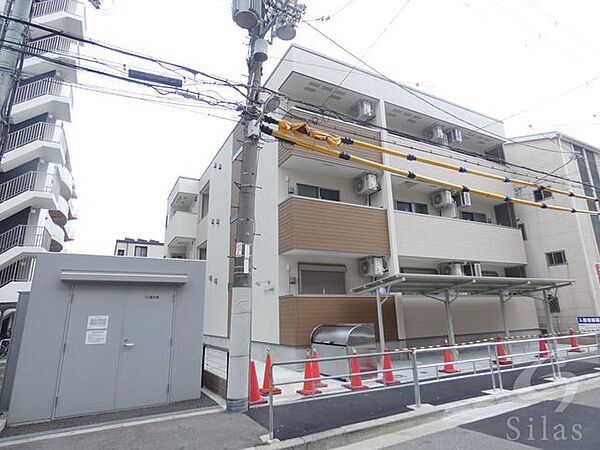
[(489, 364), (52, 44), (41, 131), (25, 236), (39, 88), (53, 6), (19, 271), (30, 181)]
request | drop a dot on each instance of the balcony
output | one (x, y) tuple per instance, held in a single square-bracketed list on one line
[(181, 229), (447, 239), (32, 189), (48, 95), (66, 15), (41, 140), (44, 54), (310, 226), (184, 194), (60, 212), (73, 209), (21, 240), (300, 314), (16, 277), (65, 179), (57, 236)]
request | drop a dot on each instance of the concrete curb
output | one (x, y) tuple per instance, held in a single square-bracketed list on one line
[(351, 434)]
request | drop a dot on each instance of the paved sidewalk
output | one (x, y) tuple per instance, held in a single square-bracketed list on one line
[(210, 431)]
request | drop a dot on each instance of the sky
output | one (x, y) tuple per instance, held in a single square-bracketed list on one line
[(532, 63)]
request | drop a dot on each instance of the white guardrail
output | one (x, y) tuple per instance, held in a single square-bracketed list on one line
[(470, 367), (53, 6), (39, 88), (29, 181), (25, 236), (41, 131)]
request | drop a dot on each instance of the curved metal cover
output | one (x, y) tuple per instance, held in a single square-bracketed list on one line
[(350, 334)]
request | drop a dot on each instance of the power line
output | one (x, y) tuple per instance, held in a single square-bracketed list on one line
[(423, 99)]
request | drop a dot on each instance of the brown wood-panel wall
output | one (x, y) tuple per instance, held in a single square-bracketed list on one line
[(299, 315), (309, 224)]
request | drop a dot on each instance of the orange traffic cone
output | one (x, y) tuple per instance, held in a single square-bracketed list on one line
[(502, 359), (543, 348), (316, 370), (388, 377), (355, 378), (309, 386), (255, 398), (448, 367), (574, 347), (266, 378)]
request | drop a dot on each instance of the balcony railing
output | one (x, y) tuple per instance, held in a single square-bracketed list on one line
[(52, 44), (41, 131), (53, 6), (24, 236), (19, 271), (39, 88), (30, 181)]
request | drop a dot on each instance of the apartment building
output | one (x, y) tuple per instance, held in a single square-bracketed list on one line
[(325, 226), (37, 192), (139, 247), (562, 245)]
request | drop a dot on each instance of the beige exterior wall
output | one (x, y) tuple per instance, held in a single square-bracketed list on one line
[(154, 250)]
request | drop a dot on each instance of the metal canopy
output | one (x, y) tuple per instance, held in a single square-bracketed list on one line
[(425, 284), (451, 286)]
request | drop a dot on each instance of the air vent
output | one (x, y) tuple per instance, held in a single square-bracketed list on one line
[(314, 84), (310, 89)]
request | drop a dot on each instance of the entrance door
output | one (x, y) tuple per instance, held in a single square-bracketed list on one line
[(91, 351), (144, 361)]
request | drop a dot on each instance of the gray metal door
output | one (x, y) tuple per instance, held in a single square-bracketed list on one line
[(89, 369), (144, 363)]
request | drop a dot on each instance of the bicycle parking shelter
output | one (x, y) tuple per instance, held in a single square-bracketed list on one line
[(447, 288)]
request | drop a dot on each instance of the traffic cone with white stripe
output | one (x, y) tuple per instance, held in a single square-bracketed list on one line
[(574, 347), (543, 348), (355, 378), (448, 366), (502, 359), (267, 378), (388, 377)]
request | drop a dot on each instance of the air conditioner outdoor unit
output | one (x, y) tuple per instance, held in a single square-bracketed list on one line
[(462, 199), (453, 268), (436, 134), (366, 183), (364, 110), (442, 199), (372, 266), (472, 269), (455, 136)]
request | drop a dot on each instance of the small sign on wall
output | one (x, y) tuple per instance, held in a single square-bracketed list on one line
[(97, 330), (95, 337), (588, 324)]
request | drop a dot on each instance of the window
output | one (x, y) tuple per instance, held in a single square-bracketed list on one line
[(553, 304), (540, 195), (120, 252), (140, 250), (205, 197), (306, 190), (322, 279), (201, 251), (515, 272), (556, 258), (419, 208), (473, 216), (521, 227)]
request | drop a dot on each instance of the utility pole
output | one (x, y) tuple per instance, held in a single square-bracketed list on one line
[(14, 36), (258, 17)]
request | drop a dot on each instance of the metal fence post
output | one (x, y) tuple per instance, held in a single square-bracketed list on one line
[(556, 357), (271, 413), (498, 367), (491, 367), (415, 372)]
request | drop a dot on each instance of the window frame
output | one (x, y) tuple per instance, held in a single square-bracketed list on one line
[(204, 200), (551, 259), (540, 195), (318, 191), (317, 267), (120, 252), (140, 247), (412, 207)]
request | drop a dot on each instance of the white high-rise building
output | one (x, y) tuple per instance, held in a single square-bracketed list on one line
[(36, 184)]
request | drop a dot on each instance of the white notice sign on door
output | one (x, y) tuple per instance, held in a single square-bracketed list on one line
[(94, 337), (97, 322)]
